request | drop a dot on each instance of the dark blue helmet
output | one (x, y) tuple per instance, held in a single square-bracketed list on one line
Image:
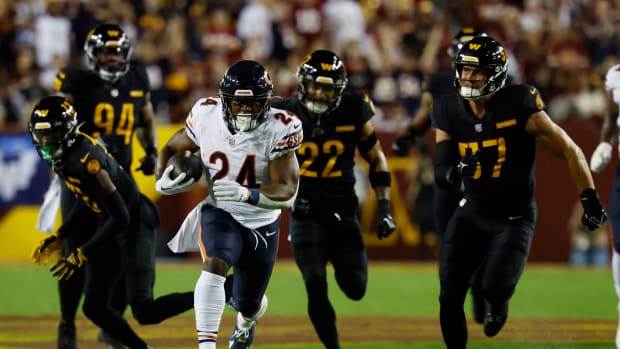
[(246, 83)]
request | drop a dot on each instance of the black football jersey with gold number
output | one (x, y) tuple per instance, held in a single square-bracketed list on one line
[(111, 112), (504, 180), (79, 166), (326, 156)]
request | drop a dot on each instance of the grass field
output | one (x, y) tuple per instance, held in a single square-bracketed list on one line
[(554, 307)]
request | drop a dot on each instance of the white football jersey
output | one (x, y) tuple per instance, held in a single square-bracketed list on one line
[(244, 156)]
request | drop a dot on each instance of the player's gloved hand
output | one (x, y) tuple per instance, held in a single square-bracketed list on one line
[(148, 162), (168, 186), (601, 157), (227, 190), (385, 222), (47, 251), (467, 165), (593, 213), (65, 267), (402, 144)]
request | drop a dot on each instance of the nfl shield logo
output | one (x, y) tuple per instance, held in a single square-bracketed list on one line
[(478, 128)]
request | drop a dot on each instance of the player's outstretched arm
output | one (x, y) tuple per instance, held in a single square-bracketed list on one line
[(553, 138)]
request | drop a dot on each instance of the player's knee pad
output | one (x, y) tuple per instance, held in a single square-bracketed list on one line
[(353, 284), (356, 292)]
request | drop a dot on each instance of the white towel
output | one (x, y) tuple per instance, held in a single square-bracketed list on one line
[(186, 238), (51, 202)]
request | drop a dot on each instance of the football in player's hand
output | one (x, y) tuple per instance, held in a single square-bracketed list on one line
[(185, 162)]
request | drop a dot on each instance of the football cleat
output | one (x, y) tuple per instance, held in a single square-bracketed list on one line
[(494, 320), (241, 338), (66, 336)]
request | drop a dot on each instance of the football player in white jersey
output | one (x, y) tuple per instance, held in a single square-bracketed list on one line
[(600, 159), (248, 149)]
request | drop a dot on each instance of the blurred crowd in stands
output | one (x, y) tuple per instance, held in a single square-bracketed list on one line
[(563, 47)]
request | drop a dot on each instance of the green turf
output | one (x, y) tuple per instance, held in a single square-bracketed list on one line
[(471, 345), (393, 289), (499, 345)]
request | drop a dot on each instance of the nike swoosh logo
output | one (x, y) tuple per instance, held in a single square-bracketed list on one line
[(296, 126), (83, 160), (270, 233), (512, 218), (533, 90)]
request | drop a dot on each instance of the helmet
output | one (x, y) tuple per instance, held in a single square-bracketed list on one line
[(107, 51), (245, 91), (463, 36), (325, 69), (52, 127), (485, 53)]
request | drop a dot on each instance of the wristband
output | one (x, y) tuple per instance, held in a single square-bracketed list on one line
[(254, 196)]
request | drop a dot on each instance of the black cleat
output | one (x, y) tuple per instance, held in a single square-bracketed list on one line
[(495, 319), (66, 336)]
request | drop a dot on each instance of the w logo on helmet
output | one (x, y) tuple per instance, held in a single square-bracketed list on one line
[(42, 112), (113, 33), (326, 66), (474, 47)]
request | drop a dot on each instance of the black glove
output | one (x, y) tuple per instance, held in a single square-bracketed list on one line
[(385, 222), (301, 209), (148, 162), (593, 213), (467, 165), (402, 144), (65, 267)]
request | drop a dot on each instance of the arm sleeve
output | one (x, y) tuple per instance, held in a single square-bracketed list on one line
[(445, 159)]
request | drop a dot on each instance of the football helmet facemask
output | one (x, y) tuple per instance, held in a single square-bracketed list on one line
[(245, 92), (460, 38), (485, 53), (107, 51), (323, 70), (53, 126)]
